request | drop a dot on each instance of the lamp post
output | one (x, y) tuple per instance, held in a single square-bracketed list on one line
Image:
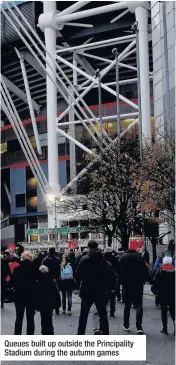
[(55, 220), (115, 53), (97, 74), (53, 198)]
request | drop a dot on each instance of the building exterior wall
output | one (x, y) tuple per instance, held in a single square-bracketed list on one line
[(41, 207), (164, 52), (159, 63), (7, 235), (17, 186)]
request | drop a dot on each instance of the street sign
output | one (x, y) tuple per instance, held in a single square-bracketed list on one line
[(44, 231)]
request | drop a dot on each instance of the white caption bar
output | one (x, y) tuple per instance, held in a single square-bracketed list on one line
[(72, 348)]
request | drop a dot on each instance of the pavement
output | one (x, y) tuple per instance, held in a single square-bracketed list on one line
[(160, 348)]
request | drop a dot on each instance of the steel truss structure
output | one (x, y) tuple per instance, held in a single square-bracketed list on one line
[(49, 59)]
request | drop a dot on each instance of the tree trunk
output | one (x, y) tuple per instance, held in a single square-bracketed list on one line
[(125, 242), (154, 248), (109, 241)]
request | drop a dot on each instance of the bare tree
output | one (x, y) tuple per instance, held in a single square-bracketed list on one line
[(158, 170), (120, 187), (157, 201), (113, 194)]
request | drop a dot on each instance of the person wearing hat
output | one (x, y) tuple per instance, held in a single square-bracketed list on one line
[(164, 285), (133, 274)]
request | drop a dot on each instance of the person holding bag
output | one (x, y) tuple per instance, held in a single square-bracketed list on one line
[(66, 284)]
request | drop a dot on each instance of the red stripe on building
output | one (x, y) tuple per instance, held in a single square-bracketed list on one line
[(42, 162), (92, 107)]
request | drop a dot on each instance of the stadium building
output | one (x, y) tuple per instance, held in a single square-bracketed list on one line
[(113, 62)]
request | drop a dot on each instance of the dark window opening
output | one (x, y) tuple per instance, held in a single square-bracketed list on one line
[(43, 156), (20, 200), (14, 146)]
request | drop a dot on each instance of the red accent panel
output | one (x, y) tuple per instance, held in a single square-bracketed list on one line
[(109, 105), (92, 107), (42, 162)]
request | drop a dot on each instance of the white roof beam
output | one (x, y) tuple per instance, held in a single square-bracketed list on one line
[(90, 12), (15, 90), (28, 94), (31, 60), (71, 9), (12, 69), (85, 64)]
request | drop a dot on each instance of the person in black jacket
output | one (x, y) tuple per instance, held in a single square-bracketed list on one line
[(47, 299), (164, 285), (38, 261), (119, 290), (78, 259), (146, 256), (111, 292), (133, 275), (71, 256), (24, 281), (5, 271), (52, 261), (109, 257), (93, 274)]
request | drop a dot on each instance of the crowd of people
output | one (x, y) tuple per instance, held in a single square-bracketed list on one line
[(44, 282)]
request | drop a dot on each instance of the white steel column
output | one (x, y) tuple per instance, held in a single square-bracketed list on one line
[(72, 131), (53, 173), (142, 19)]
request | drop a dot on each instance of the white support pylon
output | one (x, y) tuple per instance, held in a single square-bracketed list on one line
[(72, 132), (51, 90), (141, 12)]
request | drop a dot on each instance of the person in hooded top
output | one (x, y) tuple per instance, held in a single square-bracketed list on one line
[(47, 299), (164, 285)]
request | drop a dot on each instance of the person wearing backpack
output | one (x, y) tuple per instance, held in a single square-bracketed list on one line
[(66, 284)]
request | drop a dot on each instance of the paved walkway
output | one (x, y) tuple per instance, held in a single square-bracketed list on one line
[(160, 348)]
